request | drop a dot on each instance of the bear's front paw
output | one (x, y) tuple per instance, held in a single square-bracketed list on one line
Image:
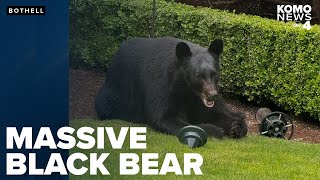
[(235, 130), (212, 130)]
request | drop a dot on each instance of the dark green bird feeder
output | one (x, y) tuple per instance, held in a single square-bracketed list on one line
[(274, 124), (192, 136)]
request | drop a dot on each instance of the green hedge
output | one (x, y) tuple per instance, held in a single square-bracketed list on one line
[(263, 59)]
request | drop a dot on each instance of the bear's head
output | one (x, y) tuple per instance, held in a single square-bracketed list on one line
[(200, 67)]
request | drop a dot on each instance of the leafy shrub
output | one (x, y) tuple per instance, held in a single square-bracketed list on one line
[(262, 58)]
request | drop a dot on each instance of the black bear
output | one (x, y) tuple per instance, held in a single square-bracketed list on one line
[(168, 83)]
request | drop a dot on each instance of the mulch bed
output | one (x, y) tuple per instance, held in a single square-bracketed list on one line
[(85, 84)]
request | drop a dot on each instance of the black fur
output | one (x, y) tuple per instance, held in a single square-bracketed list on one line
[(163, 82)]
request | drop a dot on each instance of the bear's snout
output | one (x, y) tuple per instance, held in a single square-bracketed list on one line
[(209, 94), (209, 91), (212, 95)]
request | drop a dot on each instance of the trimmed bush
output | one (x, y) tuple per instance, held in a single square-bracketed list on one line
[(263, 59)]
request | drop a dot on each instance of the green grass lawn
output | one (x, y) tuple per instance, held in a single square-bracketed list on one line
[(254, 157)]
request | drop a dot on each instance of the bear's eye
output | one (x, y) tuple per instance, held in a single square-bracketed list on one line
[(198, 76)]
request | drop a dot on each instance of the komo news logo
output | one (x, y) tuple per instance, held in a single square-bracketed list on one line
[(297, 13), (26, 10)]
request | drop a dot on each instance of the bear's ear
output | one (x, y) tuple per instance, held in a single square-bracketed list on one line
[(216, 47), (182, 50)]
